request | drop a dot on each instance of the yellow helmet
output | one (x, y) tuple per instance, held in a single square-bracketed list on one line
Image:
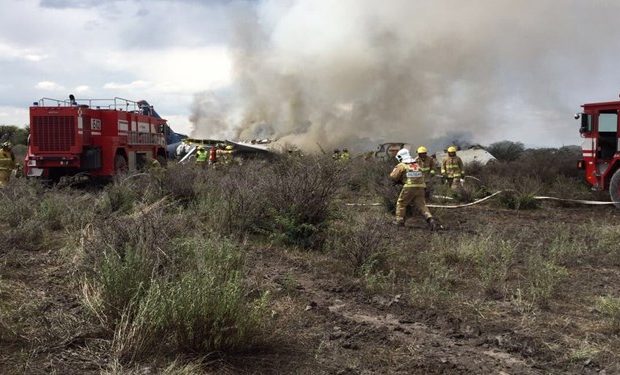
[(422, 150), (451, 149), (229, 147)]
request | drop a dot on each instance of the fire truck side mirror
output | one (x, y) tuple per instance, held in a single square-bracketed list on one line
[(585, 123), (162, 128)]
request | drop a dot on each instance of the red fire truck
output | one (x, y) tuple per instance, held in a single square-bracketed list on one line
[(94, 137), (601, 147)]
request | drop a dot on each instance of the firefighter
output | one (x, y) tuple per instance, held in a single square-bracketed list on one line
[(336, 154), (427, 166), (226, 154), (452, 169), (201, 157), (345, 155), (7, 163), (212, 155), (408, 172)]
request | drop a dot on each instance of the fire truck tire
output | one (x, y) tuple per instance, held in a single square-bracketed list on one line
[(614, 188), (120, 164), (162, 160)]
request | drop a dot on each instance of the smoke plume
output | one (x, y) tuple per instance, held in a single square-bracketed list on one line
[(358, 72)]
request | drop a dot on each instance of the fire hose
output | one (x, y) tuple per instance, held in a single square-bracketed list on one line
[(579, 201)]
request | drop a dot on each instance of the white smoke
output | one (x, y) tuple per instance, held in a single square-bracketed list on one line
[(353, 72)]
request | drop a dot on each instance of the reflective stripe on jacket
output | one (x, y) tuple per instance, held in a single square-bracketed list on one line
[(452, 167), (409, 174), (427, 166)]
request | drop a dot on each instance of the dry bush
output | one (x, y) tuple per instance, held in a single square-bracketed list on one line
[(184, 182), (364, 175), (506, 150), (29, 236), (360, 241), (120, 257), (18, 201), (288, 200), (157, 287), (536, 172)]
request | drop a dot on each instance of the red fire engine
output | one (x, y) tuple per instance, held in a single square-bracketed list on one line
[(601, 147), (95, 137)]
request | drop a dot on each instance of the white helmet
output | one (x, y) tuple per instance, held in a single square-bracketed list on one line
[(403, 156)]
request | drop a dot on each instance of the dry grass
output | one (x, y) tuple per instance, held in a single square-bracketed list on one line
[(118, 281)]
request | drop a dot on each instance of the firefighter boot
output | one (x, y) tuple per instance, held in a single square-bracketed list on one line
[(399, 222), (432, 224)]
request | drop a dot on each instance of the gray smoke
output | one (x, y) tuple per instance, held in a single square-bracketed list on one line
[(354, 72)]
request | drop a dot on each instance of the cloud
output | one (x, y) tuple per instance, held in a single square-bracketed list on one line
[(14, 116), (82, 88), (9, 52), (48, 86), (126, 86), (174, 70)]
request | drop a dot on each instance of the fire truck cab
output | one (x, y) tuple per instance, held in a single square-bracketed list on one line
[(95, 137), (601, 147)]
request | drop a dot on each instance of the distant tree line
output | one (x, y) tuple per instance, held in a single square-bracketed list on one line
[(14, 134)]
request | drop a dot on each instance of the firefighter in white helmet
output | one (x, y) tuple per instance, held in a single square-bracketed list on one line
[(7, 163), (408, 172), (452, 169), (427, 166)]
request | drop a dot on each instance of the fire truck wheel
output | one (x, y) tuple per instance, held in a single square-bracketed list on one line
[(120, 164), (614, 188), (162, 160)]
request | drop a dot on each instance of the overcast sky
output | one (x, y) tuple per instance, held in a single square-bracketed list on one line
[(168, 51), (161, 51)]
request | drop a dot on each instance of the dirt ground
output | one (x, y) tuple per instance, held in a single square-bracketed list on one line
[(327, 322)]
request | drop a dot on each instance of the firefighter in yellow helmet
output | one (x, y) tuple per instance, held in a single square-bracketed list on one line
[(452, 169), (201, 157), (225, 154), (427, 166), (7, 163), (344, 155), (408, 172)]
